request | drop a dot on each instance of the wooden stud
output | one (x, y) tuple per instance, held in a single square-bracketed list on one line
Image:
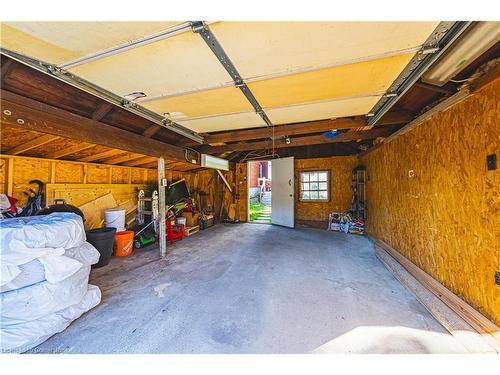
[(85, 173), (10, 177), (52, 172), (161, 202)]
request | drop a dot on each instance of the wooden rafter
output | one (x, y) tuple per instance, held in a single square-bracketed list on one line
[(122, 159), (102, 155), (299, 141), (309, 127), (44, 118), (7, 67), (151, 130), (102, 111), (39, 141), (140, 161), (69, 150), (434, 88)]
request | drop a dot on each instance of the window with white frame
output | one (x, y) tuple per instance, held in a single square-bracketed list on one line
[(314, 186)]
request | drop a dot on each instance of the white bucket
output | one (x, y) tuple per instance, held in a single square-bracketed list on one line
[(115, 218)]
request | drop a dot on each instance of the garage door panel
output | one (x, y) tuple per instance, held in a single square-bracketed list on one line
[(59, 42), (286, 46), (25, 44), (177, 64), (227, 122), (321, 110), (365, 78), (205, 103)]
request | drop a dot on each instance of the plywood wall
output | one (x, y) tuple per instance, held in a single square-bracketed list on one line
[(72, 180), (212, 194), (316, 213), (431, 197)]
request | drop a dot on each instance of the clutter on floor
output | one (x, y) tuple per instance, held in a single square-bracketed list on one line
[(45, 267), (346, 222)]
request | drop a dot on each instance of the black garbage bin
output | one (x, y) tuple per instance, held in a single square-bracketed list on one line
[(102, 239)]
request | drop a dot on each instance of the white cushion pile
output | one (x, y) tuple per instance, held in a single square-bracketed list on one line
[(44, 271)]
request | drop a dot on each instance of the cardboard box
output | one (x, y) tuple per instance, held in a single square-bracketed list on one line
[(191, 219)]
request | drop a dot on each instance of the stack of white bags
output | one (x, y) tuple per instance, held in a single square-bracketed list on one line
[(45, 267)]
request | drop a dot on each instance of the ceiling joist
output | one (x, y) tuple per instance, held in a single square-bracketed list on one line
[(123, 159), (309, 127), (37, 142), (299, 141), (69, 150), (30, 114)]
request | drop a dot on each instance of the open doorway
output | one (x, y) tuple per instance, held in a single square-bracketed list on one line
[(259, 191)]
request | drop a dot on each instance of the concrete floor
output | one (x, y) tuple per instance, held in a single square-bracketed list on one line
[(250, 288)]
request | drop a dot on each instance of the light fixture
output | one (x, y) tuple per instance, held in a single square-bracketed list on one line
[(474, 42), (287, 140), (209, 161)]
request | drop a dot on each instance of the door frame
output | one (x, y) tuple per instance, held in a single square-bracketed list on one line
[(248, 190)]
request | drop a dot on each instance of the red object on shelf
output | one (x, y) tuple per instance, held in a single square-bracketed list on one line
[(174, 231)]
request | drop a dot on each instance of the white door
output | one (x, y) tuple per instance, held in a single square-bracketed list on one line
[(282, 191)]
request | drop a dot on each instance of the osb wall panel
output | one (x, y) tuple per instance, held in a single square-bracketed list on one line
[(431, 197), (97, 174), (66, 173), (49, 171), (119, 175), (138, 176), (340, 168), (79, 194), (213, 195), (26, 170)]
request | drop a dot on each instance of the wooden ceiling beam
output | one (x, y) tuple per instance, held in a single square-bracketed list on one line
[(138, 162), (123, 159), (33, 115), (102, 110), (102, 155), (299, 141), (434, 88), (7, 67), (69, 150), (38, 141), (310, 127), (151, 130)]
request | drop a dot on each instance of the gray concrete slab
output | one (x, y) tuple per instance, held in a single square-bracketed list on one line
[(250, 288)]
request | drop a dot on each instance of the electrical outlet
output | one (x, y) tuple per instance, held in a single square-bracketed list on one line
[(491, 162), (497, 278)]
